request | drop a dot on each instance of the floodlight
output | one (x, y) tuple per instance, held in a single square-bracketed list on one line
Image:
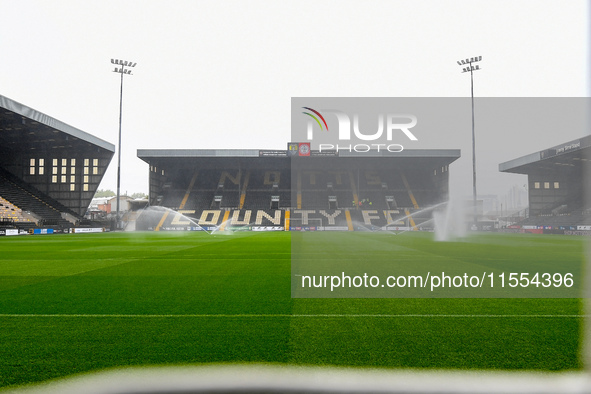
[(122, 71), (471, 69)]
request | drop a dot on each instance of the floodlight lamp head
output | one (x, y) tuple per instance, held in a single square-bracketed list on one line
[(125, 63), (459, 63), (113, 61), (479, 58)]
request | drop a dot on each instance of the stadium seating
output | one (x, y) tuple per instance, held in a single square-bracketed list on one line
[(173, 198), (10, 213), (230, 199), (255, 188), (570, 219), (373, 198), (258, 199), (199, 200), (25, 197)]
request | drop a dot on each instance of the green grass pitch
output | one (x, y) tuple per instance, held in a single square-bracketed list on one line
[(76, 303)]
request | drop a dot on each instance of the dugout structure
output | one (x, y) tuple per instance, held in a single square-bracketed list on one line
[(49, 170), (273, 190), (557, 179)]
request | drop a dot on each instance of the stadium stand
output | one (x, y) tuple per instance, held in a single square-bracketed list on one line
[(556, 185), (346, 191), (49, 171)]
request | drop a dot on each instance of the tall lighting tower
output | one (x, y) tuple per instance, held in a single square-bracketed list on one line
[(468, 67), (121, 70)]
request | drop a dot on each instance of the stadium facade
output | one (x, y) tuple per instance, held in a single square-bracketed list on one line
[(49, 171), (283, 190)]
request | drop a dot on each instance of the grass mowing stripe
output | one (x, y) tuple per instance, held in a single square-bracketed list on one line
[(288, 315)]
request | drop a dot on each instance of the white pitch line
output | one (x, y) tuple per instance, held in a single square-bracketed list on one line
[(288, 315)]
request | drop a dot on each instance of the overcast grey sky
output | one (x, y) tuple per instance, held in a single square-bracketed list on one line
[(221, 74)]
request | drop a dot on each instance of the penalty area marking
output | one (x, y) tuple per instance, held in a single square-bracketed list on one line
[(287, 315)]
